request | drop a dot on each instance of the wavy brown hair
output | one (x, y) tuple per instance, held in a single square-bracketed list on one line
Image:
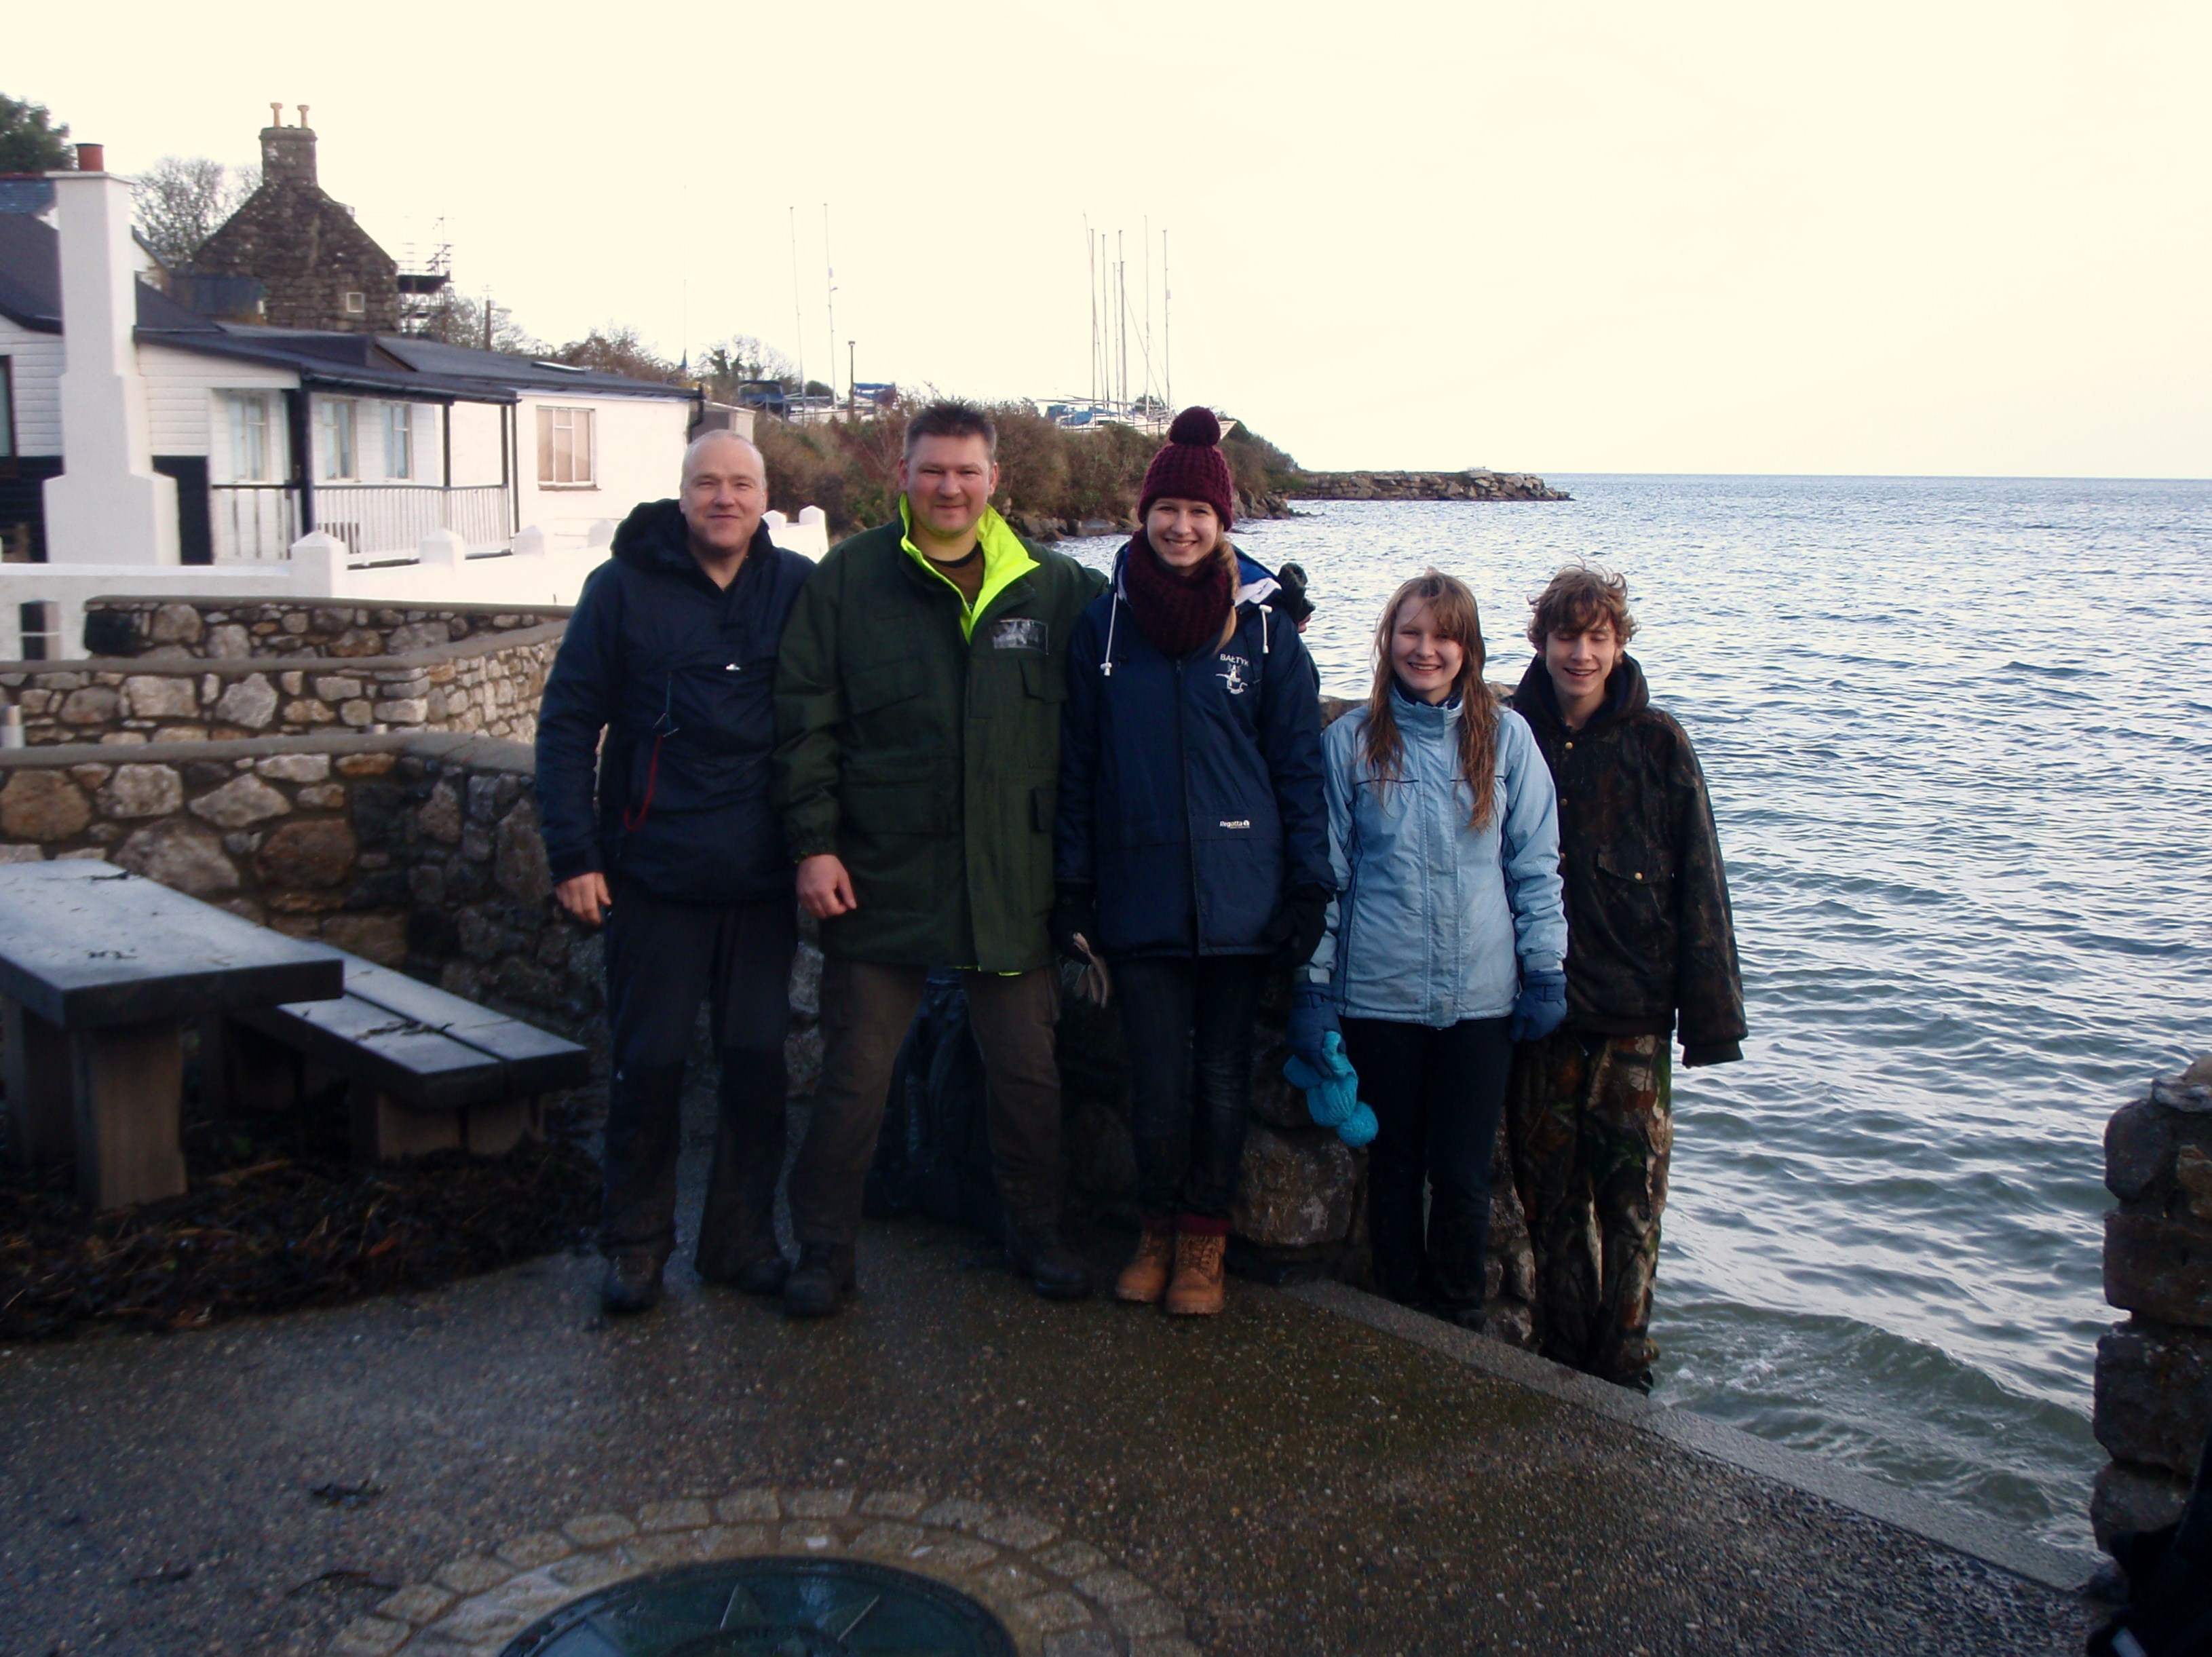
[(1453, 606)]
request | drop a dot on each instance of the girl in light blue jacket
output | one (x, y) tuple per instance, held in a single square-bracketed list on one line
[(1444, 945)]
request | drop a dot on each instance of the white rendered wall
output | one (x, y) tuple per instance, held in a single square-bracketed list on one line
[(34, 360), (184, 412), (108, 505), (638, 452), (476, 444)]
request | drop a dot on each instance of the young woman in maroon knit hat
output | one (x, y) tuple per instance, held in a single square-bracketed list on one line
[(1191, 850)]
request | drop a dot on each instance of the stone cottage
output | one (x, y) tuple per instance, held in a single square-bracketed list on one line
[(318, 268)]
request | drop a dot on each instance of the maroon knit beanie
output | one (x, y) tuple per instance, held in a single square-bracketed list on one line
[(1190, 467)]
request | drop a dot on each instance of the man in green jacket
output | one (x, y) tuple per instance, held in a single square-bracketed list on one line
[(918, 695)]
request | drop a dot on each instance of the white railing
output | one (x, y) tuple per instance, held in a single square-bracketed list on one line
[(377, 519), (253, 521)]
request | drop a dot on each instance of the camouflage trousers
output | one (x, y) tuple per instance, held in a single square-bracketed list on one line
[(1591, 1123)]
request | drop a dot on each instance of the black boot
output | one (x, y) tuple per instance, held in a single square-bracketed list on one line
[(632, 1283), (819, 1284), (1040, 1253), (764, 1274)]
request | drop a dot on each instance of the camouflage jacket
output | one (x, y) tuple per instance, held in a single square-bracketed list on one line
[(1650, 933)]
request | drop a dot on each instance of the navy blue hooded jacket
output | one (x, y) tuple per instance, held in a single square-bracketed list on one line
[(668, 663), (1190, 792)]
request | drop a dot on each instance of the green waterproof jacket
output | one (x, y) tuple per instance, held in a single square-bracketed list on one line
[(918, 739)]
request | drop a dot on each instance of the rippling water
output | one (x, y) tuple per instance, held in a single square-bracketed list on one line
[(1960, 744)]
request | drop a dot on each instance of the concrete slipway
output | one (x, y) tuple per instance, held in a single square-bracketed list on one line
[(1317, 1471)]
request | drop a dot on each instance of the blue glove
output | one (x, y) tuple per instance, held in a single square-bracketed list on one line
[(1332, 1090), (1542, 1006), (1312, 1017)]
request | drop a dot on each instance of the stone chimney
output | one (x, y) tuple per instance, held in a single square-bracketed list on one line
[(108, 505), (287, 153)]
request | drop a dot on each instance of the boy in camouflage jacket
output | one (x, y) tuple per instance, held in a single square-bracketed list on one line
[(1650, 944)]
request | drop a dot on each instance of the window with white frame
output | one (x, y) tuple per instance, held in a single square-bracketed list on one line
[(334, 420), (6, 408), (564, 449), (398, 440), (254, 435)]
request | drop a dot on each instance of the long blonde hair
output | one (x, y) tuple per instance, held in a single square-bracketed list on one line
[(1454, 609)]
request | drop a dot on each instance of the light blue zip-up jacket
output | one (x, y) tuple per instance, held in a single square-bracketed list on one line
[(1436, 921)]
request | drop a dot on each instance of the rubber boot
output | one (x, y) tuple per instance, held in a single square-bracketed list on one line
[(819, 1284), (632, 1283), (1145, 1279), (1042, 1254), (1196, 1290)]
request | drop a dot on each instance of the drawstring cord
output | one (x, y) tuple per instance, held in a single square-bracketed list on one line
[(663, 729)]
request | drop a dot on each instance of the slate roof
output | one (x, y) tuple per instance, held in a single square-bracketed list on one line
[(425, 370)]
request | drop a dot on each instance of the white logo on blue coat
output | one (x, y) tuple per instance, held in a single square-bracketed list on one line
[(1232, 672)]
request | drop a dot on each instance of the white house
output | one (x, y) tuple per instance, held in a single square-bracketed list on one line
[(146, 449)]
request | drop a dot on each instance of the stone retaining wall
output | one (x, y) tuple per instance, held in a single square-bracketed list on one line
[(208, 629), (487, 682), (2154, 1387), (419, 851), (422, 850)]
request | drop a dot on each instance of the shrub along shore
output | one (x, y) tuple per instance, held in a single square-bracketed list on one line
[(1055, 483)]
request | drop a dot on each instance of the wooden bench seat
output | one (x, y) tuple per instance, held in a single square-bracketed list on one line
[(426, 1070)]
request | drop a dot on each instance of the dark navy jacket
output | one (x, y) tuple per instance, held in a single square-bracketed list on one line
[(656, 653), (1190, 792)]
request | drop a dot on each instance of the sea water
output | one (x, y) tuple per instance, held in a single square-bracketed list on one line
[(1958, 740)]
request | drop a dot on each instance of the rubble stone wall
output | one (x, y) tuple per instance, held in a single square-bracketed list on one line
[(214, 630), (2154, 1387), (418, 850), (486, 682), (422, 850)]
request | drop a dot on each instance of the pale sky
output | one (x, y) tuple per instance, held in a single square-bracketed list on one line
[(1931, 238)]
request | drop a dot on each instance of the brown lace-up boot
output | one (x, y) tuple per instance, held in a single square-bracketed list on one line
[(1197, 1291), (1145, 1279)]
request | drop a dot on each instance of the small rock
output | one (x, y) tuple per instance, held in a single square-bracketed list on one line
[(181, 856), (1294, 1191), (42, 805), (241, 802), (251, 702), (177, 624), (142, 791), (94, 705), (295, 767), (316, 853), (229, 642), (159, 697)]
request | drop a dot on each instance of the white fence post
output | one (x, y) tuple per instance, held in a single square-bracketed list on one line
[(601, 534), (319, 564), (529, 543), (442, 549)]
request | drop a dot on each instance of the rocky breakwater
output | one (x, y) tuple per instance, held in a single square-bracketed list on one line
[(2155, 1371), (1478, 484)]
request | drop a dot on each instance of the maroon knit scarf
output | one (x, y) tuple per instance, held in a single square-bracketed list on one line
[(1177, 610)]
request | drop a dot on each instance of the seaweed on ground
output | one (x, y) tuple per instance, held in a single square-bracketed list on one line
[(277, 1217)]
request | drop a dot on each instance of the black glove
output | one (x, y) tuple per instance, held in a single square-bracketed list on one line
[(1711, 1052), (1296, 927), (1074, 910)]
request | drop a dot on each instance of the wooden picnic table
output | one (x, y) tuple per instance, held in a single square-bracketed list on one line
[(98, 971)]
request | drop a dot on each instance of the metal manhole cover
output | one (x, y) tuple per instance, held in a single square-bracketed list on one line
[(770, 1608)]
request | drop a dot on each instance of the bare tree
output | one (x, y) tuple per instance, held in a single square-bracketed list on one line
[(182, 200), (617, 350), (725, 365), (457, 319)]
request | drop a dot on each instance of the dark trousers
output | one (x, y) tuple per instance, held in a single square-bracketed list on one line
[(1437, 1096), (866, 1007), (1592, 1131), (1189, 1026), (662, 959)]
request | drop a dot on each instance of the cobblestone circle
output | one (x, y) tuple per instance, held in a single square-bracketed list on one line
[(1057, 1596)]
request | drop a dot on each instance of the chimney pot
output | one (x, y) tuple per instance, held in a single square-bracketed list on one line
[(275, 114), (92, 157), (303, 114)]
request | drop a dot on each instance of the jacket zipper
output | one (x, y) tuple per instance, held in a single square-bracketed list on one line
[(1189, 827)]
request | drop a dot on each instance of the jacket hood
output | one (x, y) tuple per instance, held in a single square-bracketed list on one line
[(1626, 695), (655, 538)]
